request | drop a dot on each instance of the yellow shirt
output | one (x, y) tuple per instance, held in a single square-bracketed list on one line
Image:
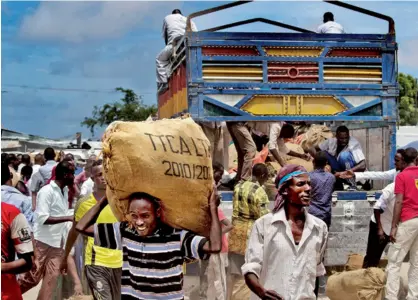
[(95, 255)]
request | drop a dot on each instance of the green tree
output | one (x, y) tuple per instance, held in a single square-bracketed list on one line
[(408, 90), (129, 108)]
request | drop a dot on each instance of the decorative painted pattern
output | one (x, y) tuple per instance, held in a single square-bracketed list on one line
[(292, 72), (294, 51), (230, 51), (307, 105), (355, 52), (174, 99)]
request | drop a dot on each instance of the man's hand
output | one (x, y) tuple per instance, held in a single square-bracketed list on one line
[(214, 199), (306, 157), (271, 295), (347, 174), (64, 266), (78, 289), (393, 234), (381, 235)]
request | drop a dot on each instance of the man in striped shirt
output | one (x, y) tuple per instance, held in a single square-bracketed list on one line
[(153, 252)]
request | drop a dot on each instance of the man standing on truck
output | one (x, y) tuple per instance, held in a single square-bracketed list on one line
[(344, 153), (174, 27), (404, 232), (329, 25)]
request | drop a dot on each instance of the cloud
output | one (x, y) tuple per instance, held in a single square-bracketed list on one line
[(407, 54), (77, 22)]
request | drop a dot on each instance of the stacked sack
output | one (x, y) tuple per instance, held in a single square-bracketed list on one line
[(168, 159)]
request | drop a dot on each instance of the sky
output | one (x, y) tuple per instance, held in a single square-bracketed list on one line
[(60, 59)]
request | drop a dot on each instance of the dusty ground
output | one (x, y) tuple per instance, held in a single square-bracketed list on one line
[(191, 286)]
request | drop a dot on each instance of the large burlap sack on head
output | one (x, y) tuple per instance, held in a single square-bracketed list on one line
[(354, 262), (168, 159), (315, 136), (363, 284)]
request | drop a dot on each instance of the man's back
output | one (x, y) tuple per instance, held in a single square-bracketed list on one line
[(250, 201), (95, 255), (322, 184), (175, 25), (330, 27), (14, 197), (407, 184), (46, 170)]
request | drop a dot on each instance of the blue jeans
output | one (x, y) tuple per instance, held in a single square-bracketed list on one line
[(344, 161)]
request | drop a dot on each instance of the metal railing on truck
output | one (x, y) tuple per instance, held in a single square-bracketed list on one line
[(301, 76)]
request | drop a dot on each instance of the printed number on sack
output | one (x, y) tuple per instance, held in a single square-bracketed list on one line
[(186, 171)]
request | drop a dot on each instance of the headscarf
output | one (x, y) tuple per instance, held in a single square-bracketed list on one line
[(285, 174)]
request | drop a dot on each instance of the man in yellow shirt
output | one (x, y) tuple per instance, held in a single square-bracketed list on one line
[(102, 265)]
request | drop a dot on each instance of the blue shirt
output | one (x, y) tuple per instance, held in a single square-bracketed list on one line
[(12, 196), (322, 186)]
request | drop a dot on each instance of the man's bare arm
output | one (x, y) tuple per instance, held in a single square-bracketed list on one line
[(278, 157), (361, 166), (214, 244), (255, 286), (86, 224)]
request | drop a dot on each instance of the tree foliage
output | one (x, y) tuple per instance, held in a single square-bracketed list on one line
[(129, 108), (408, 90)]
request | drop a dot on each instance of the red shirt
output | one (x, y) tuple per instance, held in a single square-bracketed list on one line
[(406, 183), (15, 238), (222, 217)]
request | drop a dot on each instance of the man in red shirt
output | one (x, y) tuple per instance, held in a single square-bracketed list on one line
[(15, 239), (404, 233)]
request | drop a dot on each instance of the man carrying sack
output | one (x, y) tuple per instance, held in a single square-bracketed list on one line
[(155, 251)]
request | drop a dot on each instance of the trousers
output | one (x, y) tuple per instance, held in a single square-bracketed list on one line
[(46, 268), (246, 149), (163, 63), (406, 240), (375, 247)]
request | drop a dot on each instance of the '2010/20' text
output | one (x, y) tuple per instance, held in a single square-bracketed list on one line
[(184, 170)]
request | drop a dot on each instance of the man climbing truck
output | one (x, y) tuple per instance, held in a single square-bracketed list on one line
[(301, 76)]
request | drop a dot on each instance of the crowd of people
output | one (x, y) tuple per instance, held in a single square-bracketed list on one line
[(278, 253), (46, 206)]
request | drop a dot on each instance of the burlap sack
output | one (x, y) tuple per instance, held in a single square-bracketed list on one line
[(291, 160), (168, 159), (363, 284), (315, 136), (354, 262)]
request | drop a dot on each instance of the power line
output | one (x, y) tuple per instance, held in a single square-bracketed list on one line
[(45, 88), (59, 89)]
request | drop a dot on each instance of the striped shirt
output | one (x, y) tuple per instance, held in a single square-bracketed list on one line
[(152, 265)]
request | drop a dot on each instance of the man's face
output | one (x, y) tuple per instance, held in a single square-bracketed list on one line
[(399, 162), (69, 176), (143, 216), (343, 138), (299, 192), (217, 176), (98, 178)]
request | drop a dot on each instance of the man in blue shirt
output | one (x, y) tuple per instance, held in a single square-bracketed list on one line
[(12, 196), (322, 186)]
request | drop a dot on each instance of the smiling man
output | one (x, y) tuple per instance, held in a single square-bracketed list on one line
[(289, 232), (153, 252)]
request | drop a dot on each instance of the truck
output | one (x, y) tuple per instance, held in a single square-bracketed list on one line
[(331, 79)]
